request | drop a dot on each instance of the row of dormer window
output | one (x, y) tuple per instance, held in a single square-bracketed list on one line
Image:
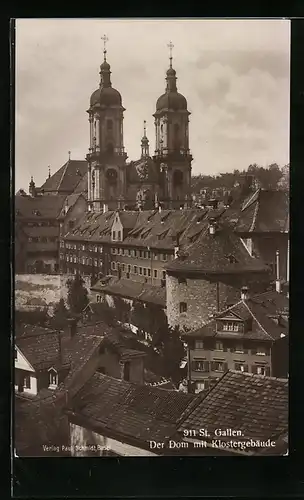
[(82, 246), (201, 365), (238, 348)]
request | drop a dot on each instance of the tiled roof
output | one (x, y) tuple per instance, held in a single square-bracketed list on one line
[(139, 412), (265, 211), (255, 405), (149, 228), (222, 252), (38, 423), (39, 207), (41, 350), (260, 309), (67, 177), (133, 290)]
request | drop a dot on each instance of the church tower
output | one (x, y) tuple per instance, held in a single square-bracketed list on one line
[(106, 157), (172, 154)]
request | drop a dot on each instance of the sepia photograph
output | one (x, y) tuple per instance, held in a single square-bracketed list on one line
[(151, 237)]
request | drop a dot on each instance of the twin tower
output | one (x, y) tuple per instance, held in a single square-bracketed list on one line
[(151, 181)]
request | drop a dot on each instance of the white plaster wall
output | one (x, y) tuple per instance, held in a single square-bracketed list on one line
[(81, 437)]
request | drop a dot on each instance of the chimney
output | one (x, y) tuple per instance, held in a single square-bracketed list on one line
[(105, 208), (244, 293), (278, 281), (159, 208), (156, 203), (72, 325), (212, 226)]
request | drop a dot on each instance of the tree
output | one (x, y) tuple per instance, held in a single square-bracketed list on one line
[(122, 309), (77, 294), (138, 317), (172, 350), (60, 316)]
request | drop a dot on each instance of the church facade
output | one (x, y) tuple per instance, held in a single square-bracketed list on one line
[(162, 179)]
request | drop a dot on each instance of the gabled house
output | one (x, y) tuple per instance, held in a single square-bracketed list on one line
[(250, 336), (242, 414), (44, 358), (115, 417)]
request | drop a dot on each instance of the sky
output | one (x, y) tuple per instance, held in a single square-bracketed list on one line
[(233, 73)]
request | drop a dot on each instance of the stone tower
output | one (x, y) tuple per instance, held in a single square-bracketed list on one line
[(172, 153), (106, 157)]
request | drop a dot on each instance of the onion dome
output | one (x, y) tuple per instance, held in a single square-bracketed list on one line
[(106, 95), (172, 99)]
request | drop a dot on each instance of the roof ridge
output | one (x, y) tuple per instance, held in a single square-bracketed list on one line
[(248, 374), (254, 317)]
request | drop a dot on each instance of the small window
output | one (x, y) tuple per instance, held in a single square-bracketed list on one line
[(119, 235), (182, 281), (261, 370), (200, 365), (164, 275), (53, 377), (140, 270), (145, 271), (140, 253), (129, 252), (129, 268), (155, 273), (182, 307), (123, 267), (149, 255), (27, 382), (199, 344), (219, 346), (239, 349), (135, 269), (114, 235), (164, 256), (261, 351), (98, 298), (241, 367), (149, 272), (95, 262)]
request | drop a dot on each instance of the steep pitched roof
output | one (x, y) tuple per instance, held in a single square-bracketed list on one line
[(138, 412), (39, 207), (261, 309), (222, 252), (265, 211), (255, 405), (133, 290), (66, 178)]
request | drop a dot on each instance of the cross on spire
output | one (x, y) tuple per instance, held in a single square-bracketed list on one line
[(145, 128), (105, 40), (170, 46)]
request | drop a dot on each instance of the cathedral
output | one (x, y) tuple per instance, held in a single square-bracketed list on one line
[(151, 181)]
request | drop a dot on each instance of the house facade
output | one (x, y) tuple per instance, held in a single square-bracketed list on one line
[(249, 337)]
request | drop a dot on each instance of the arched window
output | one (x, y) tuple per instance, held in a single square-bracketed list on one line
[(178, 178)]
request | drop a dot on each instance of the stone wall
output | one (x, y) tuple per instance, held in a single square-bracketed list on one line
[(39, 291), (201, 297)]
